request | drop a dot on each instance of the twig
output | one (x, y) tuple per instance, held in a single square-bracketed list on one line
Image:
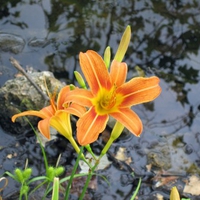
[(16, 64)]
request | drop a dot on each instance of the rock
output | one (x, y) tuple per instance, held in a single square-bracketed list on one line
[(158, 154), (11, 43), (19, 95), (177, 152), (160, 158), (38, 42)]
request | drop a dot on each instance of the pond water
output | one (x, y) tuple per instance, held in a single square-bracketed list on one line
[(48, 35)]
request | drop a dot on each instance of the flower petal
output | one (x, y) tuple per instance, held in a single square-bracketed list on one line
[(61, 97), (43, 126), (61, 122), (139, 90), (30, 112), (48, 111), (90, 126), (80, 96), (118, 72), (95, 71), (76, 110), (129, 119)]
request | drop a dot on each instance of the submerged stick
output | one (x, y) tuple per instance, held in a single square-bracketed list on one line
[(16, 64)]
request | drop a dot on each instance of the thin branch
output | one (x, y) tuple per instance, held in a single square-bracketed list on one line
[(16, 64)]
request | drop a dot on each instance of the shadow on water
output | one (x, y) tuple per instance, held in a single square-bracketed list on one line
[(48, 35)]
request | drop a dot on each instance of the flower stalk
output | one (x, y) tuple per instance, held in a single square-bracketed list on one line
[(116, 132)]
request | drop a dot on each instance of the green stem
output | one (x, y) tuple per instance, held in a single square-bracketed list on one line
[(77, 149), (46, 191), (91, 172), (38, 186), (20, 196), (42, 148), (67, 192), (74, 144), (137, 189), (89, 149), (116, 132), (26, 196), (43, 153), (106, 147)]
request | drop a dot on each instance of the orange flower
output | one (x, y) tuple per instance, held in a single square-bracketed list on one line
[(57, 116), (109, 94)]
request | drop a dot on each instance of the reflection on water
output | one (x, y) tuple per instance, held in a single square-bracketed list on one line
[(165, 42)]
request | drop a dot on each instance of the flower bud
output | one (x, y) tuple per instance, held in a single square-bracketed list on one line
[(19, 175), (107, 56), (59, 170), (27, 173), (174, 195), (80, 79), (50, 173), (123, 45), (24, 189)]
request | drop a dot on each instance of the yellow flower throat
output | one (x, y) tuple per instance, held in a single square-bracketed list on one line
[(106, 101)]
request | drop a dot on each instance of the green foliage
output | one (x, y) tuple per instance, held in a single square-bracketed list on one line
[(53, 172), (50, 174), (22, 175), (55, 194)]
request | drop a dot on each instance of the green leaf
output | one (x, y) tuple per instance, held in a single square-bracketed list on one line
[(55, 195)]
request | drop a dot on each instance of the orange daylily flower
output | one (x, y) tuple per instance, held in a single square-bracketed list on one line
[(109, 94), (56, 115)]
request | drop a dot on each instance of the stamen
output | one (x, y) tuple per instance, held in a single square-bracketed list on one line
[(108, 99)]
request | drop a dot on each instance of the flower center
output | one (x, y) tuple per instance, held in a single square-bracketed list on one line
[(107, 101)]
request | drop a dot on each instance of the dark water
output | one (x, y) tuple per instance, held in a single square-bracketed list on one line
[(165, 42)]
